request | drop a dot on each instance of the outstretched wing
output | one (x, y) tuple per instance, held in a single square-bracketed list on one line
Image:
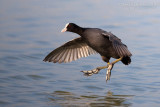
[(120, 48), (70, 51)]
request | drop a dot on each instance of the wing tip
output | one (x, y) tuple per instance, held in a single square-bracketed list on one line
[(44, 60)]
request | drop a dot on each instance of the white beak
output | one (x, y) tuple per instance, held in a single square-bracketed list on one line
[(63, 30)]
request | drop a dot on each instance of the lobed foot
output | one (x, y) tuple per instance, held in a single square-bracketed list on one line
[(97, 70), (91, 72)]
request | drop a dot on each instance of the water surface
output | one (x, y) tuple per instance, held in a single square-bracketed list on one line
[(29, 30)]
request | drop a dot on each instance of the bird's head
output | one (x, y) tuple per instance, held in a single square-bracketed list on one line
[(69, 27)]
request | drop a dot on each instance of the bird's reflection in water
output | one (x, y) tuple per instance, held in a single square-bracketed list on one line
[(64, 98)]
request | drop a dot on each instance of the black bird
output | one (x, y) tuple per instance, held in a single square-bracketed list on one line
[(91, 41)]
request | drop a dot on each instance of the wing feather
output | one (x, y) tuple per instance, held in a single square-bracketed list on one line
[(63, 57), (120, 48), (66, 56), (78, 53), (55, 56), (70, 51)]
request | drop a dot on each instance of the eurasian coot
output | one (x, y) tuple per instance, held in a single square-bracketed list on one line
[(91, 41)]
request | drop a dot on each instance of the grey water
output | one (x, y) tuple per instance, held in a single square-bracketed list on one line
[(30, 29)]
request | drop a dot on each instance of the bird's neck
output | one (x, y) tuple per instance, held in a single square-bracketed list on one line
[(79, 30)]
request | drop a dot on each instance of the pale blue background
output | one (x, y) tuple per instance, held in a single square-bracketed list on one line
[(30, 29)]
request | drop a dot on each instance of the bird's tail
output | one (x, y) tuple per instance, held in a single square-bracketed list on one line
[(126, 60)]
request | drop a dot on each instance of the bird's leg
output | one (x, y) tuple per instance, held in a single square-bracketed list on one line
[(97, 70), (117, 60), (110, 66)]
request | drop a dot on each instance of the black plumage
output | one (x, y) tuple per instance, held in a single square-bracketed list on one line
[(91, 41)]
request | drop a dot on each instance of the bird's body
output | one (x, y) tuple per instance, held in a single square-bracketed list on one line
[(99, 42), (91, 40), (104, 43)]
